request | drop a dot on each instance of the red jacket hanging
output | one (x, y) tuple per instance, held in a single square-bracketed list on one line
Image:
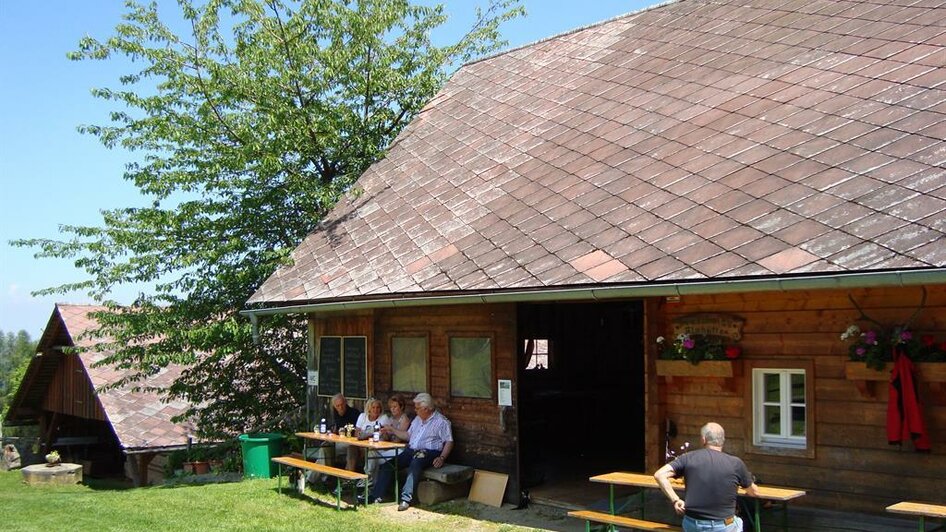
[(904, 410)]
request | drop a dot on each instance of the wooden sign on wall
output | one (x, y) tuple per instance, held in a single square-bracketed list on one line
[(722, 325)]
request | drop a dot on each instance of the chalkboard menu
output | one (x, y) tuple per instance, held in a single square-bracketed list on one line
[(355, 368), (330, 365), (343, 366)]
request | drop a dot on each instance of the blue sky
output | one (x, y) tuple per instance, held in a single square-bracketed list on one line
[(51, 175)]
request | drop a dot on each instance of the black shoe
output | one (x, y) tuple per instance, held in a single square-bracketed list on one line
[(403, 506)]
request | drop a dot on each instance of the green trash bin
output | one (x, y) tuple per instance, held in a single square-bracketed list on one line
[(258, 450)]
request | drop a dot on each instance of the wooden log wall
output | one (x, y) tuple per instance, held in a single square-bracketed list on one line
[(70, 391), (851, 465), (480, 439)]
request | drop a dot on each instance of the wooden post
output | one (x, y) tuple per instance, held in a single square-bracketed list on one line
[(144, 460), (48, 433), (139, 467)]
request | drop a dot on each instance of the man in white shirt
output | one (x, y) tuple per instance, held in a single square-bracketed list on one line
[(430, 442)]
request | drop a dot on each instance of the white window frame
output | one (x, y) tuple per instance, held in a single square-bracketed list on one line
[(785, 438)]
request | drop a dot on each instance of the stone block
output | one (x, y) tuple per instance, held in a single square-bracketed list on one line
[(431, 492), (11, 458), (61, 474)]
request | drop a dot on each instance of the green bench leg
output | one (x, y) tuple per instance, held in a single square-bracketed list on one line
[(643, 502), (338, 494), (758, 516), (397, 491), (279, 478), (611, 528)]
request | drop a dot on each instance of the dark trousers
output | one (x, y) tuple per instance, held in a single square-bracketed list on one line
[(415, 466)]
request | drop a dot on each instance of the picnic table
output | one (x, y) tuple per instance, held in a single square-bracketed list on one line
[(923, 510), (330, 437), (642, 480)]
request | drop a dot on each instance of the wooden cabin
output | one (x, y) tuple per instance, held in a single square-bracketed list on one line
[(116, 433), (763, 175)]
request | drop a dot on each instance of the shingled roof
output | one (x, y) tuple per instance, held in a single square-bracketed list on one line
[(696, 140), (141, 420)]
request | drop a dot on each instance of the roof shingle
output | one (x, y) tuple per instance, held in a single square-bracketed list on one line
[(693, 140)]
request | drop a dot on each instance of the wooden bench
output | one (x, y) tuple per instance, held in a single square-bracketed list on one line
[(921, 509), (341, 474), (619, 520)]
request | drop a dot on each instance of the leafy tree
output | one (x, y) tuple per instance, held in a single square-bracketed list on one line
[(16, 350), (251, 125)]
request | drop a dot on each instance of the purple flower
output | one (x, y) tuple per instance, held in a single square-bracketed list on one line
[(870, 337), (860, 351), (689, 343), (906, 336)]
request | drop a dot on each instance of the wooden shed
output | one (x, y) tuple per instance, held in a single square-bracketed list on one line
[(117, 432), (763, 174)]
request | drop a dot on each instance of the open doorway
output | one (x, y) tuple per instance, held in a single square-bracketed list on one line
[(581, 392)]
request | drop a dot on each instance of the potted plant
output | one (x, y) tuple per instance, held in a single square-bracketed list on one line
[(197, 463), (53, 459), (877, 346)]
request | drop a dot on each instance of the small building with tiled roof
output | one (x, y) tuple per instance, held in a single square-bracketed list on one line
[(60, 393), (757, 175)]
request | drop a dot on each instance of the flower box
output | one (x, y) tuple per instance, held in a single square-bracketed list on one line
[(926, 372), (932, 373), (684, 368)]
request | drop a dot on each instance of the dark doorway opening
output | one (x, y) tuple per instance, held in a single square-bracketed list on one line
[(581, 391)]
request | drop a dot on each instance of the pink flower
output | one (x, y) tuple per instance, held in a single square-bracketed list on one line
[(689, 343), (906, 336)]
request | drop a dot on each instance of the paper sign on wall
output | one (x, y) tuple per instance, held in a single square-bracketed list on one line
[(313, 378), (505, 392)]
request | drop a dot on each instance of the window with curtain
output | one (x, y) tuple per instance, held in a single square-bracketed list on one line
[(409, 363), (471, 367), (537, 350), (780, 407)]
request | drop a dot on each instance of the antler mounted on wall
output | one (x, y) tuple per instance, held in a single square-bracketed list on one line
[(905, 324)]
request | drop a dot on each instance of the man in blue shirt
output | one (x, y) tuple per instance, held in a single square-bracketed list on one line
[(430, 442)]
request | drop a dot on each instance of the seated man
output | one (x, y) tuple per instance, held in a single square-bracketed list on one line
[(430, 440), (342, 415)]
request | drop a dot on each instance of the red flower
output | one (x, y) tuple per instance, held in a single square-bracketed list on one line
[(927, 340), (733, 351)]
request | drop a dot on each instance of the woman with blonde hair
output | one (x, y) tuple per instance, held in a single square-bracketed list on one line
[(364, 429)]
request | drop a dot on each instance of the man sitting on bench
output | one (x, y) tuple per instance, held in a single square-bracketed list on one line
[(430, 442), (342, 415)]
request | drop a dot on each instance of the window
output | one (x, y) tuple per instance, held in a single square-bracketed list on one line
[(471, 367), (537, 349), (780, 408), (409, 363)]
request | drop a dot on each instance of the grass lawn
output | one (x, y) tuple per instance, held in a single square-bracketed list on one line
[(247, 505)]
